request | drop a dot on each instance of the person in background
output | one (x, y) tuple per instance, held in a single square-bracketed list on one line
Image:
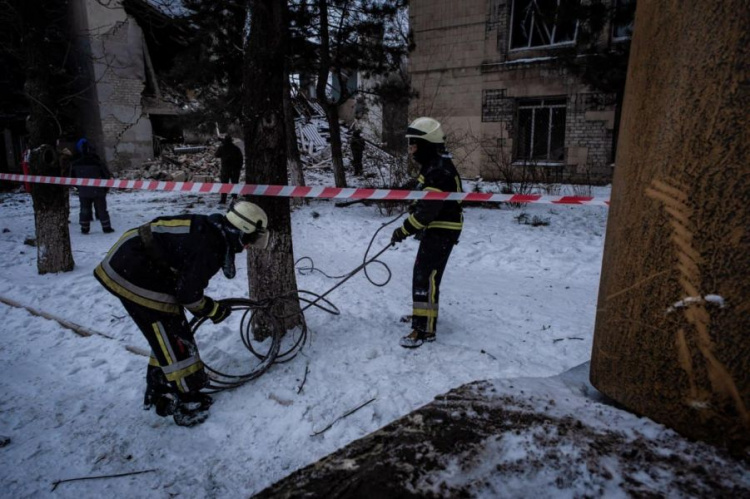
[(438, 222), (89, 165), (161, 269), (357, 145), (231, 164)]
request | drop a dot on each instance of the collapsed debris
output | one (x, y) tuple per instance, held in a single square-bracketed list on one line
[(198, 163)]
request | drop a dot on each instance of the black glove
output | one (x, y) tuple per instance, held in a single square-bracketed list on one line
[(219, 312), (398, 235)]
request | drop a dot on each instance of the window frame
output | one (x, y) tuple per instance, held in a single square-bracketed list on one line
[(535, 103), (551, 45)]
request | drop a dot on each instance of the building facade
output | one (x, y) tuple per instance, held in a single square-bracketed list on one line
[(489, 70)]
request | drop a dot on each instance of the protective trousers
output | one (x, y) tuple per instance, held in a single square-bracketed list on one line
[(229, 176), (99, 205), (173, 349), (432, 257)]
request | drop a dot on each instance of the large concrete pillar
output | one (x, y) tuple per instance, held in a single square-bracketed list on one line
[(672, 338)]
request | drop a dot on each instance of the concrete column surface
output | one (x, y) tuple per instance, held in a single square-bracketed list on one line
[(672, 335)]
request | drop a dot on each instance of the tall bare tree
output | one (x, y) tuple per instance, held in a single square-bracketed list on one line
[(271, 271)]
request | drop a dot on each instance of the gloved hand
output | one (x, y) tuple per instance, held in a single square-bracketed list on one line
[(219, 312), (398, 235)]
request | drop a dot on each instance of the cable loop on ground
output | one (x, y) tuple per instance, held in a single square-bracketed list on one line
[(263, 312)]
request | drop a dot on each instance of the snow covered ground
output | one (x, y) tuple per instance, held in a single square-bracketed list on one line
[(517, 301)]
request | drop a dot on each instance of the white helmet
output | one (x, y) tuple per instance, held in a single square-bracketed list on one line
[(426, 129), (252, 221)]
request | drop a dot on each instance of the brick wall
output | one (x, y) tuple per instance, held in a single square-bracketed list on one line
[(467, 79), (118, 64)]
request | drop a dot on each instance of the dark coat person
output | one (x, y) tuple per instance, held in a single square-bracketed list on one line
[(357, 145), (231, 164), (93, 200)]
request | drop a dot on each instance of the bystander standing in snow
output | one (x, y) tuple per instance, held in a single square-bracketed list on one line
[(231, 164), (93, 200)]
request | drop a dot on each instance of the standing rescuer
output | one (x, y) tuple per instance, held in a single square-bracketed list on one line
[(438, 222), (162, 268)]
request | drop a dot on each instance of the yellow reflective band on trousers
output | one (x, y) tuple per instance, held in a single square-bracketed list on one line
[(153, 362), (166, 348), (428, 309), (178, 371)]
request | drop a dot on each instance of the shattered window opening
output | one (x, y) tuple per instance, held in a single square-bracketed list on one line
[(624, 17), (542, 23)]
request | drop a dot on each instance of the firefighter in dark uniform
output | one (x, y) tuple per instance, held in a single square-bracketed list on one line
[(438, 222), (162, 268)]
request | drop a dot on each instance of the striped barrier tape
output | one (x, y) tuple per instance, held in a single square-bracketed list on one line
[(305, 192)]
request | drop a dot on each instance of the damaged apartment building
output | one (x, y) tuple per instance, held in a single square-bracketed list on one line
[(490, 71), (122, 45)]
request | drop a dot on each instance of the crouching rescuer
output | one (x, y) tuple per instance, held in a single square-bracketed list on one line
[(162, 268), (437, 224)]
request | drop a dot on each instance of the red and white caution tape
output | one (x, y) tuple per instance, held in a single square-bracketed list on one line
[(305, 192)]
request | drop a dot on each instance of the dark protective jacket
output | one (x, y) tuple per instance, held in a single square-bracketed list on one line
[(90, 166), (172, 269), (231, 159), (437, 175)]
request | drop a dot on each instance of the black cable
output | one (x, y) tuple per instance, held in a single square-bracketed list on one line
[(220, 381)]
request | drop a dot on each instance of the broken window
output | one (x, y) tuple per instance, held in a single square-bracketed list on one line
[(542, 23), (541, 130), (622, 23)]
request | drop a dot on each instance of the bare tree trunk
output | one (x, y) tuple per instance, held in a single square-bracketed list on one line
[(51, 207), (332, 111), (270, 271), (293, 157), (337, 156)]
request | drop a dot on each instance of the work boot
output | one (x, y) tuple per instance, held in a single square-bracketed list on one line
[(191, 408), (84, 230), (108, 230), (416, 338), (157, 388), (187, 409), (158, 397)]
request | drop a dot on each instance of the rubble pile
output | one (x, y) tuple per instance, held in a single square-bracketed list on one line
[(179, 164)]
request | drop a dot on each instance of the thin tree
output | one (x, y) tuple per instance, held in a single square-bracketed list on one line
[(354, 35), (270, 271)]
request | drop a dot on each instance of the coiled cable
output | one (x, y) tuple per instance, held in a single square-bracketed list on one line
[(263, 311)]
